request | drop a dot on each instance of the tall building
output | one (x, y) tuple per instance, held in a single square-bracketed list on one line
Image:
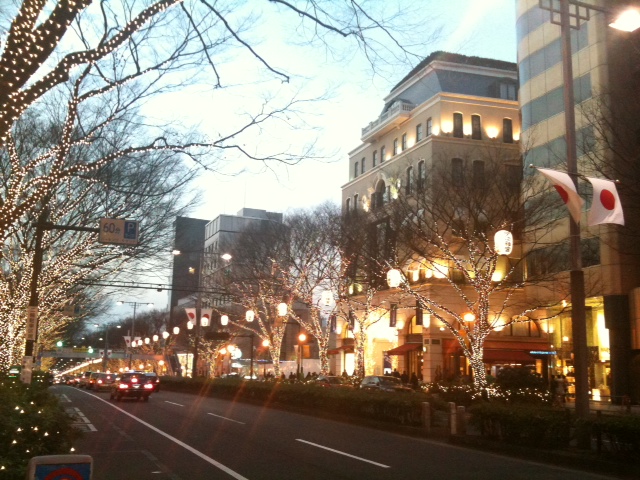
[(448, 112), (606, 83)]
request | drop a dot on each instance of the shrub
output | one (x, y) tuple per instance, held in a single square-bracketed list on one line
[(32, 423)]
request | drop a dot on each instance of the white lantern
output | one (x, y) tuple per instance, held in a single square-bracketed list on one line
[(394, 277), (503, 242), (250, 315), (327, 298), (204, 321), (147, 341), (155, 338), (190, 325), (165, 335), (282, 309), (224, 320), (176, 330)]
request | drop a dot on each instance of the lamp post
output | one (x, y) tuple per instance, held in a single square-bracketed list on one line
[(578, 310), (133, 325), (105, 358)]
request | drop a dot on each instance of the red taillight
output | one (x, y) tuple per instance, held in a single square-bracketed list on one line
[(123, 386), (148, 385)]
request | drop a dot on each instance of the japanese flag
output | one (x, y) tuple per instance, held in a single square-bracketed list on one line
[(567, 190), (191, 315), (205, 317), (606, 207)]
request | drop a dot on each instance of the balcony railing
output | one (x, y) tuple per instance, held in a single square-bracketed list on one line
[(399, 110)]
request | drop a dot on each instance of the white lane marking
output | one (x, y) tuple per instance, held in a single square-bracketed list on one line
[(210, 460), (343, 453), (225, 418), (172, 403)]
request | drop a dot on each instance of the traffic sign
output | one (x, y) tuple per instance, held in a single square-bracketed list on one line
[(119, 231)]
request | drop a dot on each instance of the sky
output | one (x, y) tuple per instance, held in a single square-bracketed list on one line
[(469, 27)]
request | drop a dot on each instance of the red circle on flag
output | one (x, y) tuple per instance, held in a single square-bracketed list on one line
[(607, 199), (563, 193), (191, 315)]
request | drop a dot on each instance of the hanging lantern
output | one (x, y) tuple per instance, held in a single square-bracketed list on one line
[(394, 277), (165, 335), (503, 242), (176, 330), (249, 316), (155, 338), (147, 341), (327, 298), (282, 309), (224, 320), (204, 321), (190, 325)]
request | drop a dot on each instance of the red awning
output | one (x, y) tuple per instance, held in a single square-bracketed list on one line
[(343, 348), (496, 356), (402, 349)]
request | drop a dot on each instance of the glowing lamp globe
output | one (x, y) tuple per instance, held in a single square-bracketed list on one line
[(249, 316), (155, 338), (282, 309), (176, 330), (224, 320), (394, 277), (165, 335)]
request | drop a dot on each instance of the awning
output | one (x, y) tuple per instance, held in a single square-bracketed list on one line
[(496, 356), (402, 349), (343, 348)]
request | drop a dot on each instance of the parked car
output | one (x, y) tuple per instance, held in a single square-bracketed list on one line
[(384, 383), (155, 379), (101, 381), (83, 379), (332, 381), (132, 385)]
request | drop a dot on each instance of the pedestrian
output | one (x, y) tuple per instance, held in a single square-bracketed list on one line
[(414, 381), (404, 377), (395, 373), (560, 389)]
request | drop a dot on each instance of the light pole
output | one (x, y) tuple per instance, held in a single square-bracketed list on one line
[(578, 310), (133, 326), (105, 358)]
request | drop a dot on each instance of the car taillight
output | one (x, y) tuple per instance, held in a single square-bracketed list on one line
[(148, 385), (123, 386)]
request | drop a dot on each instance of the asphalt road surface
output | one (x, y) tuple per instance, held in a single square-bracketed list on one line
[(187, 437)]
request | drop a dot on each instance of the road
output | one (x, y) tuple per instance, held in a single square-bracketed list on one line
[(188, 437)]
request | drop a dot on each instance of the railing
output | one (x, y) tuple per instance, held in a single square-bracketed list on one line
[(395, 110)]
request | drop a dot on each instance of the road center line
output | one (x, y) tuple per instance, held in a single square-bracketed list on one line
[(343, 453), (173, 403), (210, 460), (225, 418)]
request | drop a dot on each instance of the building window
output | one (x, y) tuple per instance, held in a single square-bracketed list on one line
[(476, 127), (356, 200), (418, 132), (507, 130), (478, 174), (410, 180), (404, 142), (396, 146), (513, 178), (347, 205), (380, 195), (457, 175), (362, 165), (508, 91), (429, 126), (457, 125), (375, 158), (422, 176), (383, 152), (355, 169)]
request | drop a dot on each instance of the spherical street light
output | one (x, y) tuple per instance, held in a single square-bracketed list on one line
[(394, 278)]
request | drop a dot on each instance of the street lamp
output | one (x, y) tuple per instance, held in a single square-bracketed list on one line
[(133, 325), (301, 339), (578, 310)]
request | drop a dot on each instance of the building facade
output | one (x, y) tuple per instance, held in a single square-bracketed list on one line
[(606, 81), (447, 112)]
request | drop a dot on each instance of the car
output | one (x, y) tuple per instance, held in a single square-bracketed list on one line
[(132, 385), (155, 379), (384, 383), (332, 381), (101, 381), (83, 380)]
